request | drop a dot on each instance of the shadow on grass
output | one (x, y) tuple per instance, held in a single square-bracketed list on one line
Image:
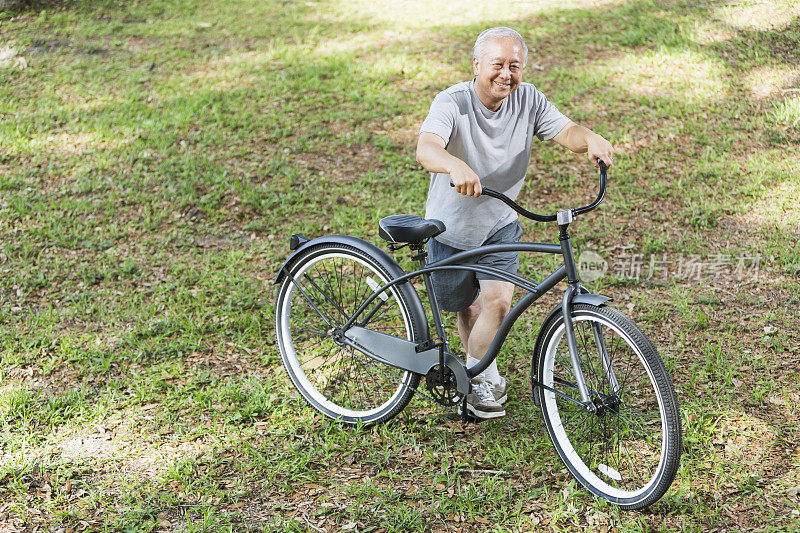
[(261, 135)]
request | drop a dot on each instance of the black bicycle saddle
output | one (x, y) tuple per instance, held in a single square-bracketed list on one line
[(409, 228)]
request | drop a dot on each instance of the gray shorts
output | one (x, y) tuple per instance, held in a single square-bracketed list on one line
[(457, 289)]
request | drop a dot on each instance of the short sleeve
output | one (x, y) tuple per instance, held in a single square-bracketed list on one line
[(441, 118), (547, 119)]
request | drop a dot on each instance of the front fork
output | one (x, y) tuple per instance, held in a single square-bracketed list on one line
[(564, 219), (574, 356)]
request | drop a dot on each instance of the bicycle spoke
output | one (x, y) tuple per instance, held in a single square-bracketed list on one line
[(311, 303), (336, 305), (620, 449)]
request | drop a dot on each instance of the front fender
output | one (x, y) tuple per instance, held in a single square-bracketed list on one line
[(594, 299)]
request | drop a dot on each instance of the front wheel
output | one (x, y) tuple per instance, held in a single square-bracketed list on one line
[(323, 289), (625, 447)]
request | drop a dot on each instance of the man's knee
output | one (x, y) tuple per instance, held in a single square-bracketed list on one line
[(496, 298), (498, 306)]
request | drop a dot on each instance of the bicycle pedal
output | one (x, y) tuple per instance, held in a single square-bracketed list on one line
[(469, 418)]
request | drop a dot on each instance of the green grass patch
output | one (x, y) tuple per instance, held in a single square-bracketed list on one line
[(156, 156)]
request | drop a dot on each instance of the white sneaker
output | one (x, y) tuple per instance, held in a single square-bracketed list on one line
[(499, 391), (481, 401)]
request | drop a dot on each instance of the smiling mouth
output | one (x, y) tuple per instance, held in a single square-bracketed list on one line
[(503, 85)]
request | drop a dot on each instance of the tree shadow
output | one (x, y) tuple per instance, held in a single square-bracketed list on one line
[(276, 136), (299, 107)]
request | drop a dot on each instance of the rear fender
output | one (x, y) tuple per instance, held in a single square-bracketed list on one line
[(384, 259), (337, 239)]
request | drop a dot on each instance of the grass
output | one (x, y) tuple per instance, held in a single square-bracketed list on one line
[(156, 156)]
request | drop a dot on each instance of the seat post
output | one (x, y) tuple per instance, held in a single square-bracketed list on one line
[(421, 256)]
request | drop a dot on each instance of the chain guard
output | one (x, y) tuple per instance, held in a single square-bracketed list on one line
[(442, 388)]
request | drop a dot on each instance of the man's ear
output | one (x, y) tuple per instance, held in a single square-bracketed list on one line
[(475, 65)]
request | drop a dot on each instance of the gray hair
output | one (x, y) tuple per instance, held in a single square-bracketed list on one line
[(498, 33)]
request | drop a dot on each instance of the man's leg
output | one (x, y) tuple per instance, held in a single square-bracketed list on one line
[(477, 326), (495, 301), (465, 320)]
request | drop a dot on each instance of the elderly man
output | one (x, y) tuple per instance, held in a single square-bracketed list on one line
[(480, 133)]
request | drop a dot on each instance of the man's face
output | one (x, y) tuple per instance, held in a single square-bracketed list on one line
[(498, 72)]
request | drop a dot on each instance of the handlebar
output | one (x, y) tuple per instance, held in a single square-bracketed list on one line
[(550, 218)]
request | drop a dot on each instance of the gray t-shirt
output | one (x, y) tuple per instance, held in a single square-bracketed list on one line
[(496, 145)]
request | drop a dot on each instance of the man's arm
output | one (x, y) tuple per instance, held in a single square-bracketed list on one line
[(585, 141), (434, 158)]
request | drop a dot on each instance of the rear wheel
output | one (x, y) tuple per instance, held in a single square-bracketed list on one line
[(627, 447), (325, 287)]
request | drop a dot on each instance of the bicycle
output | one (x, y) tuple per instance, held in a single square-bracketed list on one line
[(355, 340)]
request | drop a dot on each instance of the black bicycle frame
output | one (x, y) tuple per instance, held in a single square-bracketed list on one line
[(534, 290), (568, 270)]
